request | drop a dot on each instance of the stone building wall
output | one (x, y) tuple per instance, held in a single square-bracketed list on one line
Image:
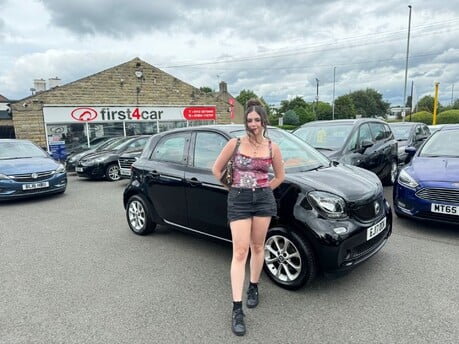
[(132, 83)]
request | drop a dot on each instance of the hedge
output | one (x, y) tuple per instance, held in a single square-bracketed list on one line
[(445, 117)]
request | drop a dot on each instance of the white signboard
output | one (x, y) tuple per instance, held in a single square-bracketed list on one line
[(100, 114)]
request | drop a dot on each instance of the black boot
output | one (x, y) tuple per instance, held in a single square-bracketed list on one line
[(252, 295), (238, 323)]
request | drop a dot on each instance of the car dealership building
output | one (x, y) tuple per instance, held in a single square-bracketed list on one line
[(129, 99)]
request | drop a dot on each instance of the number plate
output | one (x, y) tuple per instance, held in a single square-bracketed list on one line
[(376, 229), (79, 169), (32, 186), (125, 172), (444, 209)]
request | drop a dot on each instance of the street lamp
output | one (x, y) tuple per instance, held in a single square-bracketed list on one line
[(406, 64)]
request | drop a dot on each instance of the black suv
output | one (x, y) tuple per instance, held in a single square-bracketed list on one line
[(331, 216), (366, 142)]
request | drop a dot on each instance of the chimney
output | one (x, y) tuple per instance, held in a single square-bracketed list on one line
[(223, 87), (39, 85), (54, 82)]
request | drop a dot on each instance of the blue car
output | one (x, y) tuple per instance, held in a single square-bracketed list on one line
[(26, 170), (428, 188)]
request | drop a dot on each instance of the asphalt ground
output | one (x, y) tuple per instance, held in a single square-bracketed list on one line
[(71, 271)]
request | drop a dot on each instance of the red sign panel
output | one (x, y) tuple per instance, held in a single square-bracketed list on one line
[(231, 102), (200, 113)]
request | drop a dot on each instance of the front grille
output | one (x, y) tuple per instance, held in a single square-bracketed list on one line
[(126, 162), (27, 177), (439, 195), (367, 247), (368, 211)]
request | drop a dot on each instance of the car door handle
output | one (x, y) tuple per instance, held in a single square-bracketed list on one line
[(154, 174), (194, 182)]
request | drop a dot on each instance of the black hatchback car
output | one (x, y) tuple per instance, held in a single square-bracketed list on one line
[(104, 163), (331, 216), (366, 142)]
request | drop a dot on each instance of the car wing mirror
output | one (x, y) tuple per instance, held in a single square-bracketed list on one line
[(365, 144), (410, 151)]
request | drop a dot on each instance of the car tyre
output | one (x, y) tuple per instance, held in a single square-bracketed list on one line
[(112, 173), (138, 216), (389, 179), (289, 259)]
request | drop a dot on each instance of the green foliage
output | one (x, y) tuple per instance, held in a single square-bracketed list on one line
[(291, 118), (324, 111), (288, 127), (344, 107), (206, 89), (421, 116), (295, 103), (426, 103), (449, 116), (369, 103), (244, 96)]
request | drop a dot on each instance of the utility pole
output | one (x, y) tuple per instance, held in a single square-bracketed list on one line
[(434, 121), (406, 64), (317, 97), (333, 102)]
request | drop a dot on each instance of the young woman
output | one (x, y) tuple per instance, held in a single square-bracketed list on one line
[(251, 203)]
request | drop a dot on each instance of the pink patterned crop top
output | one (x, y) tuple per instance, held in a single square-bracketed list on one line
[(251, 172)]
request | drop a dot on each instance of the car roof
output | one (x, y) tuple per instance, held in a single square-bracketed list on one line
[(404, 123), (450, 126), (343, 121)]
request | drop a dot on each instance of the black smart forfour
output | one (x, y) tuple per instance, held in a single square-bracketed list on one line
[(331, 216)]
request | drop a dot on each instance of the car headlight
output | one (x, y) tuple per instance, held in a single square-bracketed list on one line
[(60, 169), (99, 160), (327, 204), (406, 180), (4, 177)]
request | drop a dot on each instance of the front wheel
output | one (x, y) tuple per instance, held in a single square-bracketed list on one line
[(138, 217), (112, 173), (289, 260)]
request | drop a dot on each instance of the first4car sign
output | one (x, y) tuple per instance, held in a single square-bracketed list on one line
[(59, 114)]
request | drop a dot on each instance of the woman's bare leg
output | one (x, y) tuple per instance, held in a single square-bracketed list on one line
[(240, 231)]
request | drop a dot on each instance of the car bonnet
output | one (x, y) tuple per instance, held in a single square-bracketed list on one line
[(435, 169), (350, 182), (27, 165)]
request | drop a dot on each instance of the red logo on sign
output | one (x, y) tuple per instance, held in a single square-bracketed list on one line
[(200, 113), (83, 114)]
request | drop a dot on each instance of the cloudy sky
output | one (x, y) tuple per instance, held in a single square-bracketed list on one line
[(276, 48)]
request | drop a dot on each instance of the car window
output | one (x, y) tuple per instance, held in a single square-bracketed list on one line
[(443, 143), (401, 132), (426, 130), (297, 154), (207, 148), (364, 134), (326, 136), (378, 131), (171, 148)]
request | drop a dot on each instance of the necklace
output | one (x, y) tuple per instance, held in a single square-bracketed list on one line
[(255, 145)]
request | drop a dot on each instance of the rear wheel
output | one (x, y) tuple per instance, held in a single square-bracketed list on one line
[(138, 216), (112, 172), (289, 260)]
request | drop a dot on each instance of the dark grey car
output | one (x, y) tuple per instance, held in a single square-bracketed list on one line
[(366, 142), (409, 134)]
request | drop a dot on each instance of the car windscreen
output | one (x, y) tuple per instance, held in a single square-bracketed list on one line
[(330, 137), (442, 143), (297, 155), (20, 149), (401, 132), (117, 144)]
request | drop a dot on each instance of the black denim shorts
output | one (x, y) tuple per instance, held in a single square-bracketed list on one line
[(244, 203)]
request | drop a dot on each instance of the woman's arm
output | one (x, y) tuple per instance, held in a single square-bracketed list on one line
[(223, 158), (278, 167)]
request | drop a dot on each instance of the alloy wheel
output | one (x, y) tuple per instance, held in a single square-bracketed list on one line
[(136, 216), (282, 258)]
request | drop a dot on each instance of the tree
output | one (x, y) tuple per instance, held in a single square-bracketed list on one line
[(295, 103), (291, 118), (246, 95), (369, 103), (426, 103), (344, 107), (206, 89), (324, 111)]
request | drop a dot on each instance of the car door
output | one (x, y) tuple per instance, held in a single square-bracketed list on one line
[(206, 197), (165, 177), (382, 149), (359, 150)]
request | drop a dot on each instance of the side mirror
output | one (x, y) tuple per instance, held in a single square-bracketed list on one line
[(410, 151), (365, 144)]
